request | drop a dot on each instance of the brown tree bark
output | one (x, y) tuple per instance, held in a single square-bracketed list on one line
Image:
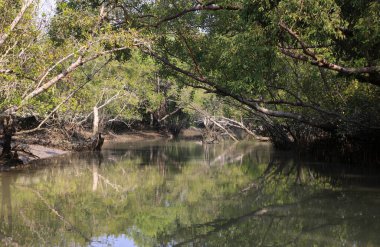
[(8, 131)]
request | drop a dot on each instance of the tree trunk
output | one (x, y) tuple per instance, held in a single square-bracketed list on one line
[(95, 128), (151, 120), (8, 131)]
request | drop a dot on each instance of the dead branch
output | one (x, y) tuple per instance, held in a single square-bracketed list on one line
[(213, 120), (170, 114)]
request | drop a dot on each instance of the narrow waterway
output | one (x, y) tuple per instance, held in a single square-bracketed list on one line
[(188, 194)]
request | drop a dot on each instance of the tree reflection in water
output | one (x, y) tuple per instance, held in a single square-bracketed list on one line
[(6, 203), (182, 193)]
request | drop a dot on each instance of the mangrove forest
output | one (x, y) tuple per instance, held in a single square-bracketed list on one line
[(189, 122)]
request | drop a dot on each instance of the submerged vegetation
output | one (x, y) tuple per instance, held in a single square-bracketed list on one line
[(299, 72)]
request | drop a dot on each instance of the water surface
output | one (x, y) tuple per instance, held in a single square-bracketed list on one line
[(186, 194)]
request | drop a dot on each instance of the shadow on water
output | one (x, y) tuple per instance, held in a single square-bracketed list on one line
[(187, 194), (335, 173)]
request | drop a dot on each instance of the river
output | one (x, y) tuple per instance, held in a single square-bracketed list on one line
[(186, 194)]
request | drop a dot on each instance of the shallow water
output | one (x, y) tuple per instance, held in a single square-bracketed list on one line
[(186, 194)]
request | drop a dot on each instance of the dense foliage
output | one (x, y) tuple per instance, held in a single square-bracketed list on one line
[(312, 67), (303, 70)]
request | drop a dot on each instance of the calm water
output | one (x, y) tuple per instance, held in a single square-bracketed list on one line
[(186, 194)]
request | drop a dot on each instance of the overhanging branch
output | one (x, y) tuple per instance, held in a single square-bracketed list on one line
[(311, 57), (225, 92), (211, 6)]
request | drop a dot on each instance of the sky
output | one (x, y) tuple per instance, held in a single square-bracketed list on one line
[(46, 8)]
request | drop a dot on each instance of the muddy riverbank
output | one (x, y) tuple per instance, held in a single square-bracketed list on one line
[(50, 143)]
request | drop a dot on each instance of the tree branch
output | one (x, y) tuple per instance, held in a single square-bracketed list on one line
[(89, 79), (208, 7), (4, 36), (79, 62), (170, 114), (225, 92), (311, 57)]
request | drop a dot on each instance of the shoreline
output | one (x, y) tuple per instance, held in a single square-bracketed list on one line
[(52, 143), (42, 146)]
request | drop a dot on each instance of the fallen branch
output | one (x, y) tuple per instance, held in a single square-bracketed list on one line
[(205, 114)]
